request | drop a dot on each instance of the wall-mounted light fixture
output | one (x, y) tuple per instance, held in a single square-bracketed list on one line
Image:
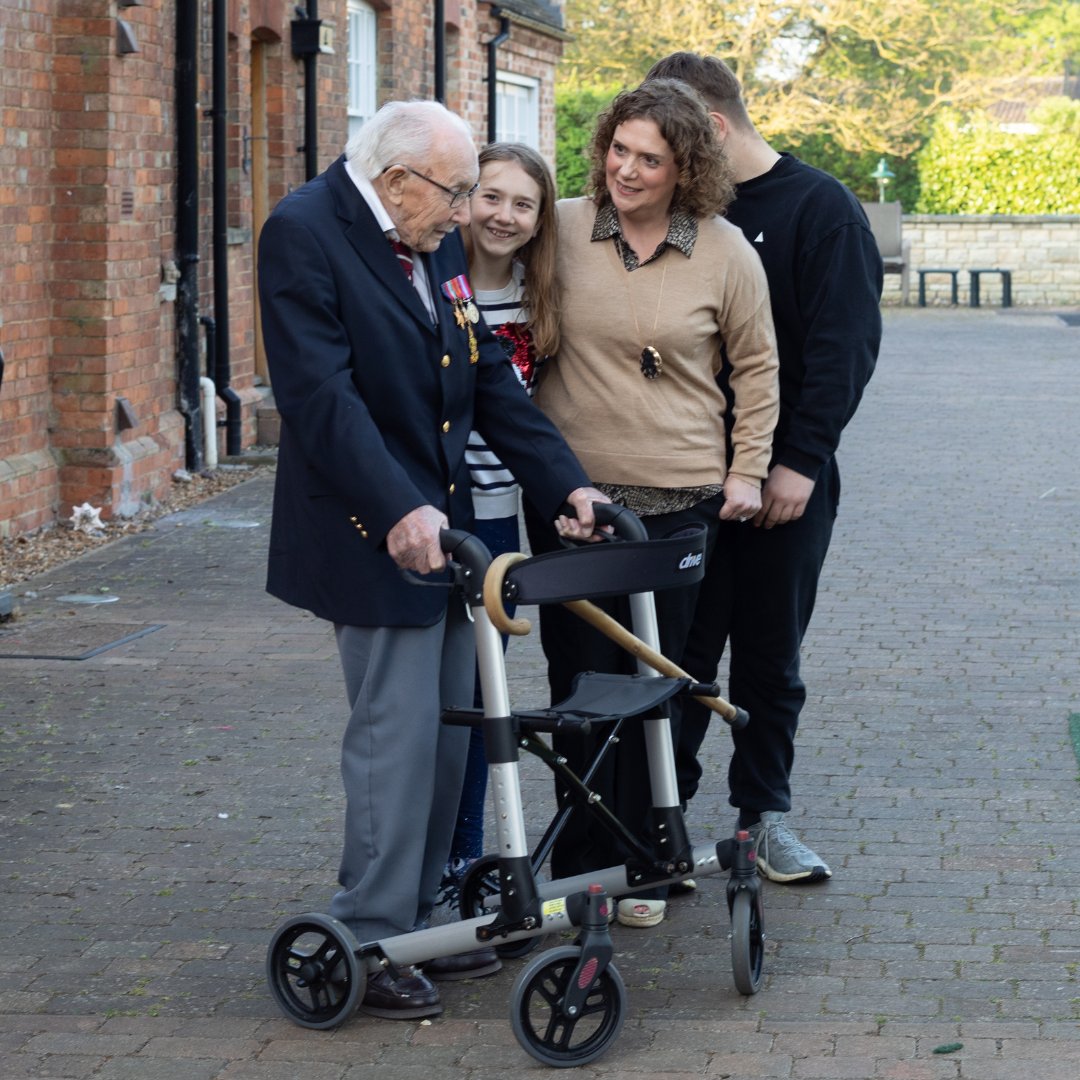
[(310, 36)]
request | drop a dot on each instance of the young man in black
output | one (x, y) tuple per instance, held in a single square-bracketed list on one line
[(825, 278)]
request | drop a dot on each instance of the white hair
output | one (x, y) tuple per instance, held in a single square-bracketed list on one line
[(401, 131)]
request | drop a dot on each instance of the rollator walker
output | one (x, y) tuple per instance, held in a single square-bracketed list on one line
[(568, 1003)]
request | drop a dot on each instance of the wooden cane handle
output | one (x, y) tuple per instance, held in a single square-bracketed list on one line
[(493, 599), (636, 647)]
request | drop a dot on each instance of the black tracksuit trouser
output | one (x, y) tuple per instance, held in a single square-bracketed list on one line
[(757, 599)]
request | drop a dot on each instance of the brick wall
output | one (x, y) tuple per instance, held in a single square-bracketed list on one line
[(88, 214), (28, 473), (1043, 253)]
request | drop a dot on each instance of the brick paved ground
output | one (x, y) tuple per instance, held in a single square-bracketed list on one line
[(166, 803)]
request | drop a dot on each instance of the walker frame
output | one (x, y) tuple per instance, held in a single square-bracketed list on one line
[(567, 1003)]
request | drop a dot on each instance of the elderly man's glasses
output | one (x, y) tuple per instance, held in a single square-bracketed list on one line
[(456, 197)]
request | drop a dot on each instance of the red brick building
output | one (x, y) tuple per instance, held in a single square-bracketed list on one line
[(143, 144)]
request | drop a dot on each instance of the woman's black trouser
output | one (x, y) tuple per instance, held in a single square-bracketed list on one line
[(571, 646)]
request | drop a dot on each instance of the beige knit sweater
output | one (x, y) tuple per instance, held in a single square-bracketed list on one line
[(666, 432)]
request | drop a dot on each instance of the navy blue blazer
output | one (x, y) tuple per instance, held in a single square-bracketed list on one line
[(376, 406)]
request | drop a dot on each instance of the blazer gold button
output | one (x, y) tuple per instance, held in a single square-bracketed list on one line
[(446, 426), (453, 488), (446, 361), (363, 533)]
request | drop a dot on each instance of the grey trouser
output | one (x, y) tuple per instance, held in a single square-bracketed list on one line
[(401, 768)]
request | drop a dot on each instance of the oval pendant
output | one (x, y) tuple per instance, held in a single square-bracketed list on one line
[(651, 363)]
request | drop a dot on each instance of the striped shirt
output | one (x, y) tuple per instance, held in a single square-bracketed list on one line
[(494, 489)]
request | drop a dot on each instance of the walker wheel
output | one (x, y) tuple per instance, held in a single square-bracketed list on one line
[(747, 940), (313, 970), (481, 884), (537, 1018)]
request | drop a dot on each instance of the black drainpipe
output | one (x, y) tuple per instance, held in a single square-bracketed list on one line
[(311, 100), (492, 66), (440, 51), (187, 233), (219, 100)]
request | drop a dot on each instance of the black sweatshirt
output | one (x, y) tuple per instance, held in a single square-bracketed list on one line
[(825, 279)]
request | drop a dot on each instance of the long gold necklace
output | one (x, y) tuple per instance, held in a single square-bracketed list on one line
[(651, 362)]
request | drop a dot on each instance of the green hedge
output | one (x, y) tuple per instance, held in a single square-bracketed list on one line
[(967, 166), (854, 169), (973, 167), (575, 120)]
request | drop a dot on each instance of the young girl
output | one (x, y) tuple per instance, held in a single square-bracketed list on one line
[(511, 247)]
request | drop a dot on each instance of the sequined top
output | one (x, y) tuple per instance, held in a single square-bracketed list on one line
[(495, 491)]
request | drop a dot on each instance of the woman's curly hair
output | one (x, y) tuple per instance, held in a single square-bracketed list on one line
[(705, 185)]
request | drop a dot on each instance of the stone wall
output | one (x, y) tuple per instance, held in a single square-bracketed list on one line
[(1042, 251)]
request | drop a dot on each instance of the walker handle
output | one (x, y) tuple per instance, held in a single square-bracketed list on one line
[(625, 523), (468, 558)]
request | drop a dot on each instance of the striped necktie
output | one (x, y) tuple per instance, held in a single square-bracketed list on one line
[(404, 256)]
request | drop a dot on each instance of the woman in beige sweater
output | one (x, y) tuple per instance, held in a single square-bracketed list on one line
[(656, 290)]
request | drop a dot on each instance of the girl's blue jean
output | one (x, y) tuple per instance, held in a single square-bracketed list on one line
[(500, 535)]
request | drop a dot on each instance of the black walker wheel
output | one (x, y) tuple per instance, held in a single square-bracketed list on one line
[(747, 940), (481, 883), (536, 1010), (314, 972)]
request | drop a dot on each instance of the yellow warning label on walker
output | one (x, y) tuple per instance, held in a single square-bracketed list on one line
[(555, 907)]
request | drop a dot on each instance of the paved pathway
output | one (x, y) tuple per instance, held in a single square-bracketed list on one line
[(164, 804)]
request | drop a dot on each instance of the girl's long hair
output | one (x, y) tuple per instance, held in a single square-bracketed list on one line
[(538, 255)]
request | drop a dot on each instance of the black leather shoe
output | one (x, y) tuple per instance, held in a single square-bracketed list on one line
[(408, 998), (470, 965)]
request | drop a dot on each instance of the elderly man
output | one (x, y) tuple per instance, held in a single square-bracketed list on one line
[(379, 372)]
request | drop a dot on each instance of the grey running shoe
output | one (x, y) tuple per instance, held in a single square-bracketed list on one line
[(780, 854)]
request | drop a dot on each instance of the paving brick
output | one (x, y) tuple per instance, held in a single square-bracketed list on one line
[(933, 771)]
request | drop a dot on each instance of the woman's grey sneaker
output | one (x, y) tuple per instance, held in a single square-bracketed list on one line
[(780, 854)]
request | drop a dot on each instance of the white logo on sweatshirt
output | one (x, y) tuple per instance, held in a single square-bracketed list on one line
[(760, 238)]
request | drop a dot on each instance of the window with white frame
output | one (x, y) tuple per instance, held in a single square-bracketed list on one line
[(517, 109), (361, 64)]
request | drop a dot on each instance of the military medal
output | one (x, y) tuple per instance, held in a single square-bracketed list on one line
[(466, 314), (459, 293)]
